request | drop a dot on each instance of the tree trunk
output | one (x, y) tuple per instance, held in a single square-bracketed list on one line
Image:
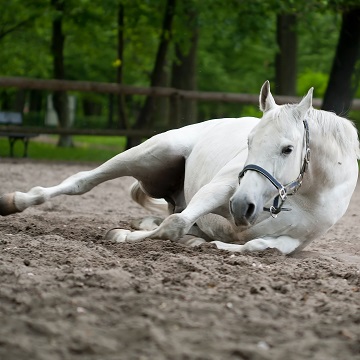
[(160, 114), (144, 118), (60, 99), (184, 77), (122, 118), (91, 108), (285, 61), (344, 76), (35, 101), (5, 101), (20, 99), (111, 111)]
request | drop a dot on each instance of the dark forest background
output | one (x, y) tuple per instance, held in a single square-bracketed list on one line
[(206, 45)]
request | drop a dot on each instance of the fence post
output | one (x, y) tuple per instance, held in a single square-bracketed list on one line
[(175, 111)]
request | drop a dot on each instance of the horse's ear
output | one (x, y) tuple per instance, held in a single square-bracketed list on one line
[(266, 100), (306, 102)]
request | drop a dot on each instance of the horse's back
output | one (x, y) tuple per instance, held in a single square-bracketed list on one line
[(163, 162)]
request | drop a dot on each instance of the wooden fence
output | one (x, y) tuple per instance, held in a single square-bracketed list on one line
[(113, 88)]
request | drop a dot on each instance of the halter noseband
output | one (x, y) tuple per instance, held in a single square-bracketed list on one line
[(284, 190)]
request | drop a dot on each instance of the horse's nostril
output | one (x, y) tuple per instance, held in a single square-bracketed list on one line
[(250, 211), (243, 210)]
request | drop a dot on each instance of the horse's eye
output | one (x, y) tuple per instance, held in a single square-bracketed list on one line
[(287, 150)]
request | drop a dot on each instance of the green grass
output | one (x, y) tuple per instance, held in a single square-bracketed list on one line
[(87, 148), (110, 141)]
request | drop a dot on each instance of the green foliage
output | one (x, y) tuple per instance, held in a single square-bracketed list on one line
[(236, 50), (310, 79), (25, 49), (318, 35), (251, 110), (342, 5), (355, 117), (88, 148)]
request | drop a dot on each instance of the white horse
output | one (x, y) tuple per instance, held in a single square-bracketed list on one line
[(196, 170)]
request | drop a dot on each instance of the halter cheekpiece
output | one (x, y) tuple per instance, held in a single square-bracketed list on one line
[(288, 189)]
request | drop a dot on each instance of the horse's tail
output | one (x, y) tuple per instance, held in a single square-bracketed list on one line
[(147, 202)]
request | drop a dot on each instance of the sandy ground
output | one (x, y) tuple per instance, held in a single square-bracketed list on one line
[(67, 294)]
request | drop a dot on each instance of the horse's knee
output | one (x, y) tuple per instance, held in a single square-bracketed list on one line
[(174, 227)]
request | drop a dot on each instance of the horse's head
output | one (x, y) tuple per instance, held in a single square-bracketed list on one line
[(276, 151)]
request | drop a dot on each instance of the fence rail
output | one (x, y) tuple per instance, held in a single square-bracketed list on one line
[(114, 88), (6, 129)]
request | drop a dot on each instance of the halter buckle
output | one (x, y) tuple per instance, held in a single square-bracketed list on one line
[(307, 155), (273, 211)]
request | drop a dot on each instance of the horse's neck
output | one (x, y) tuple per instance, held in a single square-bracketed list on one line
[(330, 165)]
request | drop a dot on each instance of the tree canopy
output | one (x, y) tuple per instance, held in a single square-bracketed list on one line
[(236, 42)]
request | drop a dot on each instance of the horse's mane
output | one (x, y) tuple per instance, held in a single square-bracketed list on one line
[(333, 128)]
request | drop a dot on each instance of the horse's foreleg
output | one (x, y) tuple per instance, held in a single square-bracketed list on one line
[(174, 227)]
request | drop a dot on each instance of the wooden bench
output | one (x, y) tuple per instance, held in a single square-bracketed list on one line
[(15, 119)]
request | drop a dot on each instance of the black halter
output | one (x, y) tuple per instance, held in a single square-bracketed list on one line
[(284, 190)]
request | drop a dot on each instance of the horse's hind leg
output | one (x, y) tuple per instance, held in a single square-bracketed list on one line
[(155, 163)]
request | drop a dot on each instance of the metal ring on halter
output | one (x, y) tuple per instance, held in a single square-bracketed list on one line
[(283, 193)]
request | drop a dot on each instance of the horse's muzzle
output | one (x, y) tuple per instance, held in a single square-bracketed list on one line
[(243, 211)]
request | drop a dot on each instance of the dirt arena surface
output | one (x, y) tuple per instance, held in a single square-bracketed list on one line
[(67, 294)]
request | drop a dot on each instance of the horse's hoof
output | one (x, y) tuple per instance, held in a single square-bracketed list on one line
[(7, 204), (117, 235)]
